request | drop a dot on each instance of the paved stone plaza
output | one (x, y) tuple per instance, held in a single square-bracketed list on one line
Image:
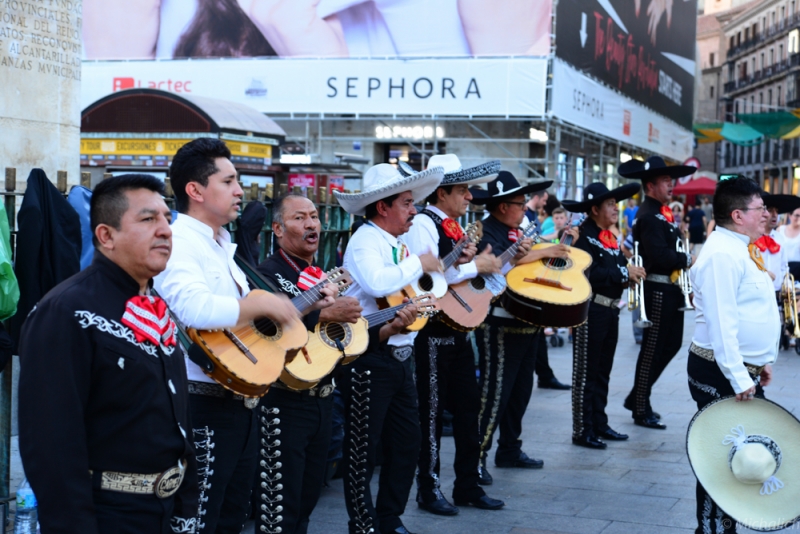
[(642, 485)]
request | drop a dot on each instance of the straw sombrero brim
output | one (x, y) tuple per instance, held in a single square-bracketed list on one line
[(421, 184), (620, 193), (479, 174), (708, 457)]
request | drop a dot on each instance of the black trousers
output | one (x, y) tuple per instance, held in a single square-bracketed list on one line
[(593, 348), (445, 372), (380, 407), (660, 343), (295, 432), (543, 370), (506, 359), (226, 444), (707, 384), (122, 513)]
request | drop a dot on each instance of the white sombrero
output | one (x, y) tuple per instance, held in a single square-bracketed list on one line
[(454, 173), (384, 180), (747, 457)]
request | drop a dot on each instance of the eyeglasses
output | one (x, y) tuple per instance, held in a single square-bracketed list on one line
[(515, 203), (762, 207)]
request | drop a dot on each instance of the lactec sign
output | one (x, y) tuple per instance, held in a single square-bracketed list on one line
[(591, 105), (450, 86)]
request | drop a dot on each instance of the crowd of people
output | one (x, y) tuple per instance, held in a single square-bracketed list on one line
[(156, 439)]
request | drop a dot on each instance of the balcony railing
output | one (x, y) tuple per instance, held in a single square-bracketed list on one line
[(789, 22), (763, 74)]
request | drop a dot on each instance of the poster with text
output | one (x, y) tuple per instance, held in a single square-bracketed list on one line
[(643, 48), (167, 29)]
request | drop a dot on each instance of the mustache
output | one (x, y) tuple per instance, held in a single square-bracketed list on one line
[(410, 219), (308, 233)]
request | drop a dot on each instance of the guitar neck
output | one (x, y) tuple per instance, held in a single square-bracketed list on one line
[(385, 315), (511, 251), (454, 254), (307, 298)]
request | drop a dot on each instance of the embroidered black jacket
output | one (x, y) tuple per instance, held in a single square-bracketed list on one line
[(608, 273), (657, 238), (93, 398), (285, 278)]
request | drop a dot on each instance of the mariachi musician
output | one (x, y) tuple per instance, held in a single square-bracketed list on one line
[(295, 425), (658, 235), (506, 345), (595, 341), (378, 388), (445, 362), (774, 254)]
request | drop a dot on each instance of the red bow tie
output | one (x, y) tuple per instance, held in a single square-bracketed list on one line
[(452, 229), (309, 277), (150, 321), (766, 242), (608, 239), (667, 213), (513, 235)]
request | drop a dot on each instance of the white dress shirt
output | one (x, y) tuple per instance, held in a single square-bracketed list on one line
[(369, 258), (776, 263), (201, 284), (424, 237), (736, 313)]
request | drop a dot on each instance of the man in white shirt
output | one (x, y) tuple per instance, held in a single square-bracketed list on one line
[(737, 323), (206, 290), (445, 368), (378, 388)]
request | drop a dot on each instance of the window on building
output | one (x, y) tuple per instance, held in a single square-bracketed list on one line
[(783, 13), (711, 92), (754, 67), (711, 59), (791, 8), (780, 53), (763, 24), (738, 38), (733, 42), (752, 104), (749, 155), (746, 34), (769, 99), (761, 101), (771, 56), (773, 18), (779, 95), (794, 37), (762, 61), (758, 153)]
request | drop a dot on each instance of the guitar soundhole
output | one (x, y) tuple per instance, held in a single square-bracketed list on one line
[(426, 282), (559, 264), (479, 283), (267, 328), (336, 332)]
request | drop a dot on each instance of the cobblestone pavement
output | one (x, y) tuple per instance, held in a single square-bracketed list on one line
[(642, 485)]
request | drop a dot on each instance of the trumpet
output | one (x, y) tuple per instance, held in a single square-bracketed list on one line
[(790, 305), (636, 293), (683, 277)]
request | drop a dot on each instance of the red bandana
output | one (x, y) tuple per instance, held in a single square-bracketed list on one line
[(452, 229), (513, 235), (667, 213), (766, 242), (309, 277), (608, 239), (148, 318)]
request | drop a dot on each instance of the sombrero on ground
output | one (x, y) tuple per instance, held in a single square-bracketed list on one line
[(747, 457), (654, 167), (596, 193), (455, 174), (505, 186), (784, 203), (383, 180)]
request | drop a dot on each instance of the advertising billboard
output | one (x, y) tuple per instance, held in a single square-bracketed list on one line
[(120, 29), (644, 49)]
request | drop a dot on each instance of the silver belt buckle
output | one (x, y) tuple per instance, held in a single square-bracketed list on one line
[(250, 402), (169, 481), (401, 354), (326, 390)]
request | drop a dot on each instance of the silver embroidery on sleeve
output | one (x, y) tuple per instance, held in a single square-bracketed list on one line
[(87, 319), (287, 286)]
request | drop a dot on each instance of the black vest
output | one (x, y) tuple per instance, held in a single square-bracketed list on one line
[(446, 244)]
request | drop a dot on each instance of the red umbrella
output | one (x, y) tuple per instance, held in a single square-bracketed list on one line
[(698, 186)]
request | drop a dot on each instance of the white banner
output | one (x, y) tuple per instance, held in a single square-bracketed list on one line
[(498, 87), (591, 105)]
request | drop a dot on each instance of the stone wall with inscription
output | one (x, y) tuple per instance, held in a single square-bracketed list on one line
[(40, 85)]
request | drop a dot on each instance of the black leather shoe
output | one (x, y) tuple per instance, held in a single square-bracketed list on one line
[(590, 442), (439, 507), (523, 461), (401, 530), (629, 406), (649, 422), (484, 477), (612, 435), (484, 503), (553, 383)]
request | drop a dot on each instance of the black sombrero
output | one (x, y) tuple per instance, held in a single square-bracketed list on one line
[(784, 203), (596, 193), (653, 168), (505, 186)]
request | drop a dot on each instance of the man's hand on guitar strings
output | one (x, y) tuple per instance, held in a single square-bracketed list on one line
[(467, 254), (430, 263), (343, 310), (486, 262), (327, 296)]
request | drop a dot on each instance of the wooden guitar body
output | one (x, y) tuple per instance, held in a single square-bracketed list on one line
[(324, 352), (249, 358), (547, 295), (466, 304)]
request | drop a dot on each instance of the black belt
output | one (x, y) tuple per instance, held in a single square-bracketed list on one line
[(215, 390), (320, 392)]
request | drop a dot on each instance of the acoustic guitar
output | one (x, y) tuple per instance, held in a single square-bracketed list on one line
[(247, 359), (433, 283), (332, 342), (465, 305), (551, 291)]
